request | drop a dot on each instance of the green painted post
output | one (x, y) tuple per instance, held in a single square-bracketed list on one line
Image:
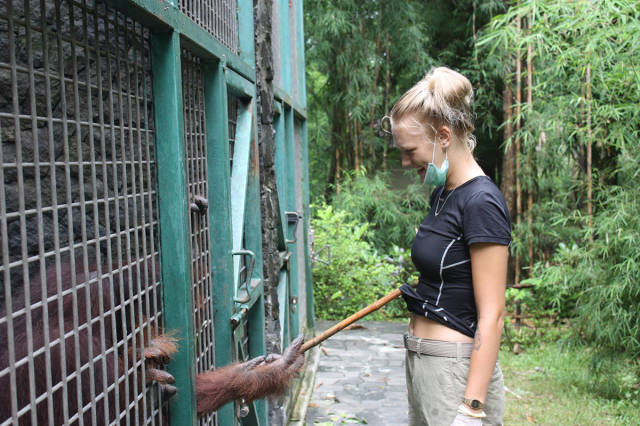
[(291, 206), (215, 98), (253, 242), (307, 224), (281, 183), (302, 87), (302, 92), (174, 219), (285, 47), (281, 167), (245, 33)]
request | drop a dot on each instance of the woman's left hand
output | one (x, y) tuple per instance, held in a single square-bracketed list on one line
[(464, 420)]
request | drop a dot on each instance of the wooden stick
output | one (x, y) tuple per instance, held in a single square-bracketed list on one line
[(353, 318)]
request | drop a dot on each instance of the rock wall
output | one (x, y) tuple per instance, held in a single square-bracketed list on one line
[(100, 101), (268, 191)]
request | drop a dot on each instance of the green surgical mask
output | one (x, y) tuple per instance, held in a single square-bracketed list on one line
[(437, 175)]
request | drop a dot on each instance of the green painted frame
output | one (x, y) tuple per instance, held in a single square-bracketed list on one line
[(174, 219)]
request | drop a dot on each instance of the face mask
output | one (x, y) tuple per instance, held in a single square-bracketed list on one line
[(437, 175)]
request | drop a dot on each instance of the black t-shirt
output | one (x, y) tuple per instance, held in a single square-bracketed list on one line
[(474, 212)]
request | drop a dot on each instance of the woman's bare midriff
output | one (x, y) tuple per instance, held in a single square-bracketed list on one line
[(426, 328)]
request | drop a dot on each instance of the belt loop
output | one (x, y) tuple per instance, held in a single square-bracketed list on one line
[(458, 350)]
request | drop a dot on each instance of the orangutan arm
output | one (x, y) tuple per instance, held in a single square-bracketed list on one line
[(251, 380)]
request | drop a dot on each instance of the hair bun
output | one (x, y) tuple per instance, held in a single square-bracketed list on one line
[(442, 96)]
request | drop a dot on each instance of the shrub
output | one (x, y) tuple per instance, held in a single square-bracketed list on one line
[(357, 274)]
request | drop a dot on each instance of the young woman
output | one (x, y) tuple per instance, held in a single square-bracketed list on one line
[(461, 253)]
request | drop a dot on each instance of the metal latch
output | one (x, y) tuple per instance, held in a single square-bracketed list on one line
[(292, 219), (285, 257)]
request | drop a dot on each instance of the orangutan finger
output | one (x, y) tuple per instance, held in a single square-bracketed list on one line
[(292, 351), (159, 376), (167, 391), (253, 363), (271, 358)]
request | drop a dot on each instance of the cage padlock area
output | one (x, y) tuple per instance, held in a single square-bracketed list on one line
[(244, 292)]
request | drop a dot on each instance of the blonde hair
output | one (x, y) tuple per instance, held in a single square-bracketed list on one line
[(442, 97)]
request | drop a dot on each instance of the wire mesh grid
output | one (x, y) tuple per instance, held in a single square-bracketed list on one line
[(196, 154), (218, 17), (79, 283)]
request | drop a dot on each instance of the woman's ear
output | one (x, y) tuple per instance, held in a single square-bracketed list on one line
[(444, 136)]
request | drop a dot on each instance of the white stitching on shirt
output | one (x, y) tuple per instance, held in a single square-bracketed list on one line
[(441, 268), (457, 263)]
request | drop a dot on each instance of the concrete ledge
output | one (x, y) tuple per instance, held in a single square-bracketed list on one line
[(305, 390)]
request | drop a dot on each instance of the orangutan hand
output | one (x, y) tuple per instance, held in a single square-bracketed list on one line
[(251, 380), (159, 352)]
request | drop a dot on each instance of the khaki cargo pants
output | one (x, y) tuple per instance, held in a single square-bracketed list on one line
[(436, 385)]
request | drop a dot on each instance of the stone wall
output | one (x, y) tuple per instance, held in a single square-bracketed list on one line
[(86, 80), (268, 191)]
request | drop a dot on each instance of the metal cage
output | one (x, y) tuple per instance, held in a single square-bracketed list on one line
[(78, 215), (218, 17)]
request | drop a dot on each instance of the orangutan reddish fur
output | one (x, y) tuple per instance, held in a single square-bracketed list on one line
[(88, 346), (250, 380)]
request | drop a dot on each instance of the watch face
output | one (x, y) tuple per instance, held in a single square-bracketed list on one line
[(475, 404)]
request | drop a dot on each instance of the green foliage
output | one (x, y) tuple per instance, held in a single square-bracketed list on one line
[(393, 214), (598, 279), (357, 274), (361, 54), (586, 267)]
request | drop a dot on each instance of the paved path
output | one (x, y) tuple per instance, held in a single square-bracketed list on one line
[(360, 377)]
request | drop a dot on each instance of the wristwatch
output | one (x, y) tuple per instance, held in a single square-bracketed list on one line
[(473, 403)]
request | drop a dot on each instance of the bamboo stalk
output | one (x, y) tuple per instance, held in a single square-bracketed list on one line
[(518, 126), (531, 151), (376, 73), (516, 346), (387, 79), (589, 152), (350, 320)]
